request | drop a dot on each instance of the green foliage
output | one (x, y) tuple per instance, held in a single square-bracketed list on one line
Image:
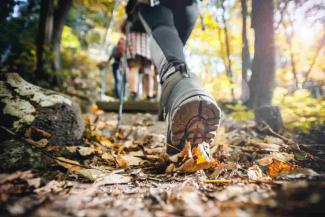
[(299, 110), (17, 38), (69, 39), (240, 112), (93, 37)]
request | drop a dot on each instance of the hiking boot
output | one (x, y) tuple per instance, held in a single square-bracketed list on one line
[(191, 112)]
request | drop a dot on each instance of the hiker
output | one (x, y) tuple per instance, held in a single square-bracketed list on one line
[(116, 54), (138, 60), (190, 111)]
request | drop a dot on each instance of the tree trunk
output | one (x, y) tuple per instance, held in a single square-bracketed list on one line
[(23, 105), (262, 82), (263, 75), (245, 53), (44, 37), (59, 18), (52, 17)]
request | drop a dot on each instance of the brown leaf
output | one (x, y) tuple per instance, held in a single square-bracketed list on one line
[(113, 178), (40, 143), (222, 167), (72, 167), (279, 156), (132, 160), (36, 133), (186, 152), (121, 162)]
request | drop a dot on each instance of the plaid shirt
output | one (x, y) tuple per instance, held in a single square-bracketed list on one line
[(138, 45)]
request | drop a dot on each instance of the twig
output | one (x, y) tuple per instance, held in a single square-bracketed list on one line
[(217, 181), (290, 141), (25, 141), (173, 147), (223, 181), (278, 135)]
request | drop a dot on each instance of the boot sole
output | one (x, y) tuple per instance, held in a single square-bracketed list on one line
[(195, 120)]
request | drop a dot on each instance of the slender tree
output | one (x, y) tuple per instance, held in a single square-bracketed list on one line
[(319, 48), (227, 57), (289, 35), (246, 62), (51, 22)]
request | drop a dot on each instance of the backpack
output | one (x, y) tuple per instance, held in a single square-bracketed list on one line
[(119, 49)]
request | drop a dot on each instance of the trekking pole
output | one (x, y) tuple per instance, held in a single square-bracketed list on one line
[(124, 71)]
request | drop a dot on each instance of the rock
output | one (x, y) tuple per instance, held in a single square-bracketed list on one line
[(24, 105)]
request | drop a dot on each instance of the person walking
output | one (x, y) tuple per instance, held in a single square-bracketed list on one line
[(192, 114), (116, 54), (138, 56)]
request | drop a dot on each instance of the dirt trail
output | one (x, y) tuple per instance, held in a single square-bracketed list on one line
[(258, 175)]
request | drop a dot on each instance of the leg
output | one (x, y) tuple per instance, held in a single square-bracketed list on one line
[(185, 15), (148, 79), (132, 77), (192, 113), (117, 79), (165, 43)]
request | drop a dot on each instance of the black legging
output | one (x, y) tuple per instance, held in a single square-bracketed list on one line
[(170, 24)]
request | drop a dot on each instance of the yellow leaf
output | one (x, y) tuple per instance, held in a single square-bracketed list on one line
[(105, 142)]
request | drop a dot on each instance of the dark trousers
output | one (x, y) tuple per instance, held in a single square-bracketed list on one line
[(169, 24), (117, 79)]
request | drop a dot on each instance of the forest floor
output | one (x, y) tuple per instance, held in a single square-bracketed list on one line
[(255, 172)]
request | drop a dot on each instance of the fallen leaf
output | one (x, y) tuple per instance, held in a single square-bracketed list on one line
[(132, 160), (107, 156), (301, 173), (202, 152), (170, 168), (52, 186), (105, 142), (121, 162), (222, 167), (73, 167), (85, 151), (113, 178), (94, 108), (40, 143), (35, 133), (277, 168), (236, 192), (267, 146), (279, 156), (91, 174), (274, 140), (186, 152), (35, 182), (197, 159), (254, 172), (72, 149)]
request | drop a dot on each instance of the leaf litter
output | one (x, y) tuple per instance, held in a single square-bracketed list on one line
[(126, 172)]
